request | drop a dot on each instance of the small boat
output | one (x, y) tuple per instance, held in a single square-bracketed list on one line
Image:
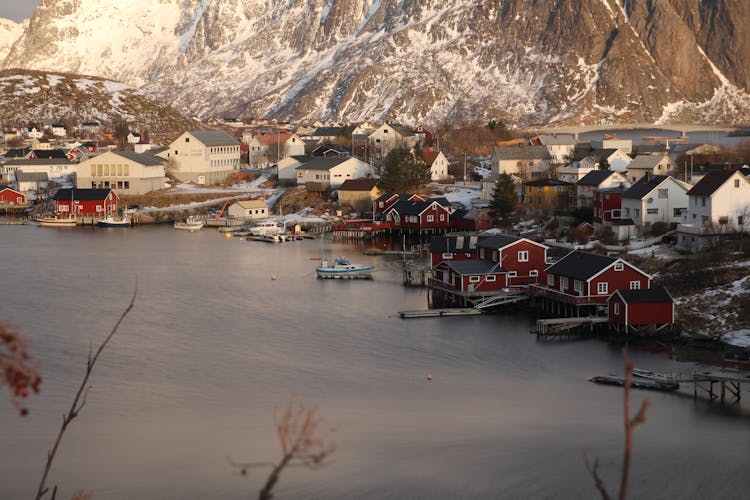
[(113, 221), (637, 383), (343, 269), (57, 221), (266, 228), (191, 224)]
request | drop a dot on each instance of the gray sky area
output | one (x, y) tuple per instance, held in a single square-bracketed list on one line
[(17, 10)]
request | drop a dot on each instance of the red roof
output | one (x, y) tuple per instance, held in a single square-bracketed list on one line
[(270, 139), (358, 185), (430, 156)]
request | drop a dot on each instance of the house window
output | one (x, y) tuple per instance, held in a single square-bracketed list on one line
[(615, 214), (703, 201), (652, 211), (724, 220), (491, 277), (448, 255), (663, 193), (635, 285), (563, 283), (602, 288), (430, 218), (617, 308), (577, 286), (550, 280), (127, 185), (523, 256), (187, 139), (533, 273), (740, 220), (677, 212), (512, 274), (736, 183), (627, 211), (442, 217), (618, 266), (98, 208), (474, 279)]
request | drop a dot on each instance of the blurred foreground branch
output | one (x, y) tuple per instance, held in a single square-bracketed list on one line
[(16, 368)]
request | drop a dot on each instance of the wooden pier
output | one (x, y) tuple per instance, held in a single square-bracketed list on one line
[(566, 327), (435, 313)]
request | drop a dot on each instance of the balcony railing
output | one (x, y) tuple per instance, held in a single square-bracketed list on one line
[(566, 297)]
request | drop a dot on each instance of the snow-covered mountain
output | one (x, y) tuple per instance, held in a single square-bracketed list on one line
[(10, 31), (526, 61)]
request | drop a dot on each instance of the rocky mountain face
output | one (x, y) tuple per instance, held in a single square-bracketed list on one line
[(529, 62), (44, 97), (9, 33)]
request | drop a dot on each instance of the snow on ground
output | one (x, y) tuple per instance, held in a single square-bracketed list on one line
[(737, 338), (663, 252), (462, 195)]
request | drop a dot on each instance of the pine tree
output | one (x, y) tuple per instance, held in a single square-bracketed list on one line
[(603, 163), (404, 171), (504, 197)]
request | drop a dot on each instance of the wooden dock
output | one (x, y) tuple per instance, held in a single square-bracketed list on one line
[(566, 327), (435, 313)]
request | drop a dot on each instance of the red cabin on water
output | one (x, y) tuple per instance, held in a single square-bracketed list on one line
[(454, 248), (428, 214), (474, 276), (583, 278), (387, 200), (85, 202), (524, 260), (634, 310)]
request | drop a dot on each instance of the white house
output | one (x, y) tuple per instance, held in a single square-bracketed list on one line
[(438, 164), (203, 156), (265, 149), (54, 168), (611, 142), (560, 146), (657, 198), (527, 162), (58, 130), (320, 174), (126, 172), (617, 159), (249, 209), (650, 164), (287, 169), (573, 172), (134, 138), (718, 204), (31, 182), (597, 180), (390, 136)]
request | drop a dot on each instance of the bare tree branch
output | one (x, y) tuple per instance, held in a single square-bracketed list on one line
[(75, 407)]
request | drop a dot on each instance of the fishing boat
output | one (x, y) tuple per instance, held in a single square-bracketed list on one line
[(343, 269), (191, 224), (637, 383), (57, 221), (267, 228), (114, 221)]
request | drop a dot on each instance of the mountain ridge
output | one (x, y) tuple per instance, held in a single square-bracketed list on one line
[(529, 63)]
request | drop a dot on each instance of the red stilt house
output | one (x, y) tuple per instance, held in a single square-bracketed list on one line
[(524, 260), (633, 311)]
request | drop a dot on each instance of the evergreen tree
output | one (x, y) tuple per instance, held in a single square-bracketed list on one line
[(404, 171), (121, 133), (603, 163), (504, 197)]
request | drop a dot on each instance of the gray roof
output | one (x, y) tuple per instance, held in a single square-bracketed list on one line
[(580, 265), (645, 161), (143, 159), (644, 186), (497, 241), (522, 153), (646, 296), (451, 244), (214, 138), (594, 178), (328, 132), (323, 163), (474, 266), (557, 140), (22, 176), (38, 162)]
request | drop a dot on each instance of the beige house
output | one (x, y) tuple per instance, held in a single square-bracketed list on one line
[(287, 169), (390, 136), (527, 162), (320, 174), (649, 164), (359, 194), (126, 172), (203, 156), (248, 209), (438, 164), (265, 149)]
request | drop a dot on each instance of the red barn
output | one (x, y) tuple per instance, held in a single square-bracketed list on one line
[(473, 276), (419, 215), (11, 198), (633, 310), (583, 278), (524, 260), (444, 248), (85, 202)]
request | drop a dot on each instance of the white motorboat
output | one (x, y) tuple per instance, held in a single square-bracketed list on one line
[(114, 221), (266, 228), (191, 224), (343, 269)]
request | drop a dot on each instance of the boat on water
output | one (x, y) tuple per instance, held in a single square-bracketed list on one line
[(114, 221), (637, 383), (191, 224), (266, 228), (343, 269), (57, 221)]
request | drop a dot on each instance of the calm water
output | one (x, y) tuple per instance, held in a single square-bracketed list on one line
[(214, 345)]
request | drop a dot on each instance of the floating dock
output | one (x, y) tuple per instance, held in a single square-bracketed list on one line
[(435, 313), (566, 327)]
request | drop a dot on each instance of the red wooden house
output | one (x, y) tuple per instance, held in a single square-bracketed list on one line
[(524, 260), (607, 205), (429, 214), (583, 278), (387, 200), (11, 198), (471, 220), (85, 202), (635, 310), (424, 135), (453, 248), (469, 276)]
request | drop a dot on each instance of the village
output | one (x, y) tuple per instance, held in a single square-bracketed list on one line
[(601, 230)]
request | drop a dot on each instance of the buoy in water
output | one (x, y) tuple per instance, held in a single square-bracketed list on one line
[(227, 235), (273, 278), (429, 377)]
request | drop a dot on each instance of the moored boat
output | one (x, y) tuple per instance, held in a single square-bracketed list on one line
[(266, 228), (191, 224), (57, 221), (636, 383), (343, 269), (113, 221)]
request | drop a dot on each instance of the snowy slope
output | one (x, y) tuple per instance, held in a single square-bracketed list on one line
[(10, 31), (525, 62)]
